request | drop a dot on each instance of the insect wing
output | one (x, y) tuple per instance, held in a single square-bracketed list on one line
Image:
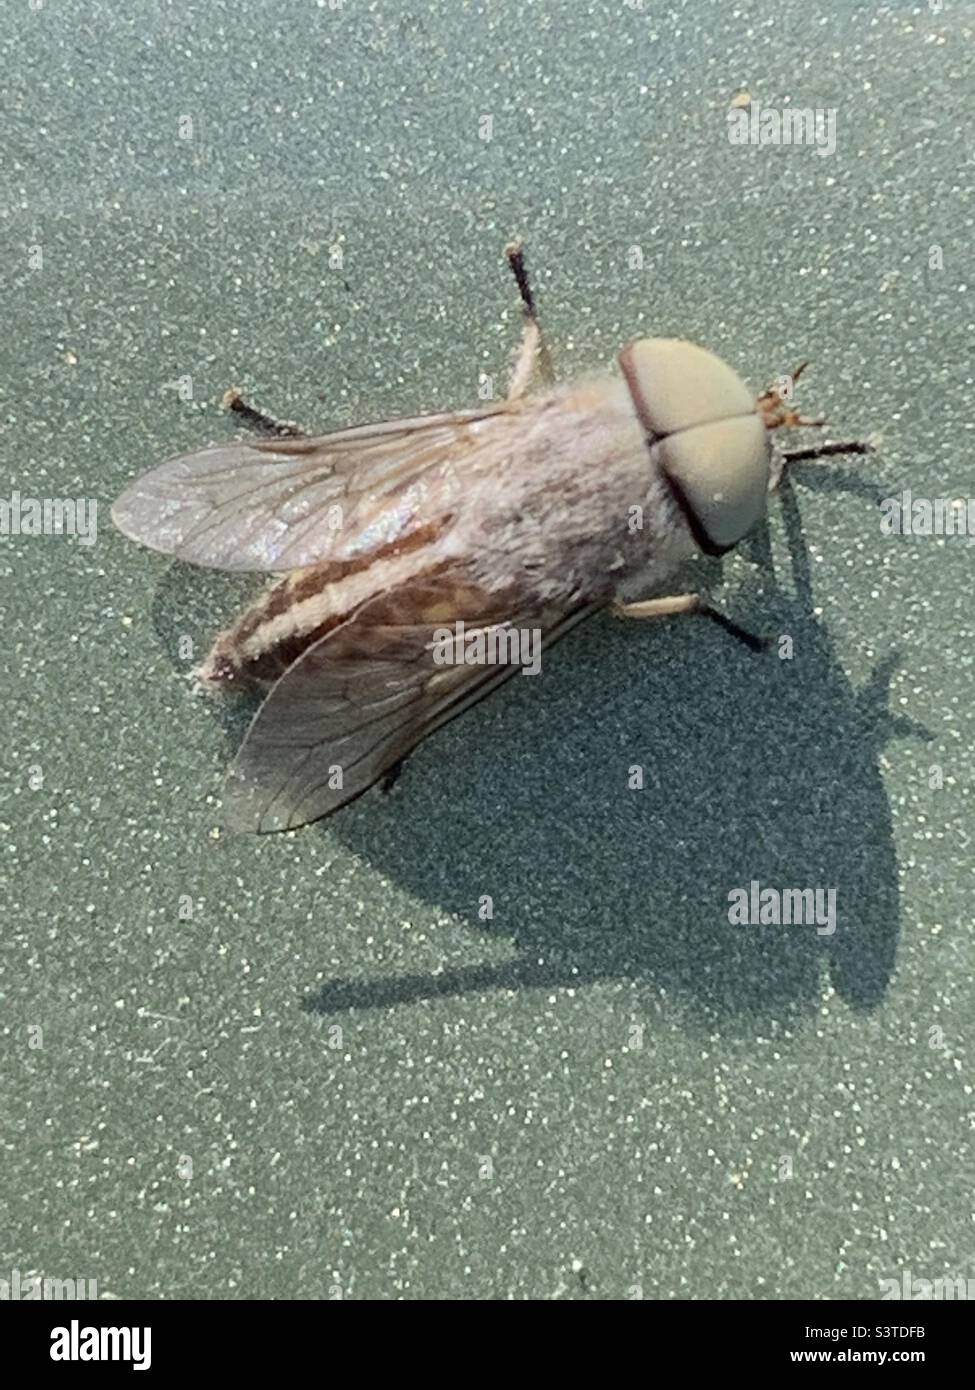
[(277, 505), (351, 707)]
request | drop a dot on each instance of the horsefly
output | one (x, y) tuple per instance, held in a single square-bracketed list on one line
[(419, 560)]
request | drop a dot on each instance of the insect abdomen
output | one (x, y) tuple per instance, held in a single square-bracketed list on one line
[(297, 612)]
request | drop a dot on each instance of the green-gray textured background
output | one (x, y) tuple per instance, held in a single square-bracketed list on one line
[(639, 1073)]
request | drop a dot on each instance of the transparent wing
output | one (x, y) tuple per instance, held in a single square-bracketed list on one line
[(271, 505), (355, 703)]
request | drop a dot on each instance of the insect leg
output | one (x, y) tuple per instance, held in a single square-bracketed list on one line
[(658, 607), (533, 351), (525, 362), (392, 774), (688, 603), (819, 451), (259, 420)]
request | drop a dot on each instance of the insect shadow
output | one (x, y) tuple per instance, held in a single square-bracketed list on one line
[(755, 768)]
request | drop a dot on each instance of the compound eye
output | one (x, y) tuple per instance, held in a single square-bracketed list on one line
[(677, 385), (719, 476)]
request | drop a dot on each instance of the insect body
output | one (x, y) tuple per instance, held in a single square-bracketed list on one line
[(531, 513)]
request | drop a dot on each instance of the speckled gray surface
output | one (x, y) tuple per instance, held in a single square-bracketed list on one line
[(604, 1089)]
